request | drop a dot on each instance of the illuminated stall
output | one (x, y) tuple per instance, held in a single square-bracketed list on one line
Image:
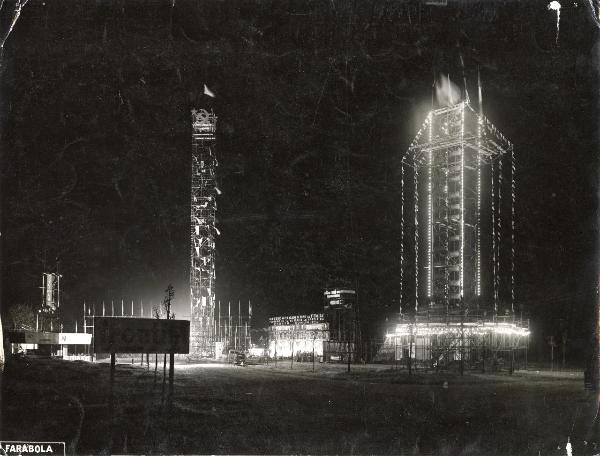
[(298, 335)]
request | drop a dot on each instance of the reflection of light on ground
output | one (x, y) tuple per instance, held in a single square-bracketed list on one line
[(200, 366)]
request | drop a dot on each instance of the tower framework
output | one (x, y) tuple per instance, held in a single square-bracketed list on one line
[(457, 248), (203, 231)]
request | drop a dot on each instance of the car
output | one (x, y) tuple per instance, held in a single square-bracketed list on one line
[(236, 357)]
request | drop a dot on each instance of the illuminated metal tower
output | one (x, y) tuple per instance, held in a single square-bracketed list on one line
[(203, 231), (458, 235)]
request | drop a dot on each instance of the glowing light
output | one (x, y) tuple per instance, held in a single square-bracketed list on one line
[(495, 275), (285, 340), (477, 328), (402, 236), (478, 259), (499, 219), (462, 198), (416, 178), (512, 228), (429, 215), (555, 6)]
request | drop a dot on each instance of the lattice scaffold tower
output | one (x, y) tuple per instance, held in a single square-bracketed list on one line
[(203, 231), (457, 279)]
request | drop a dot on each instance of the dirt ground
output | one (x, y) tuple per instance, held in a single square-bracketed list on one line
[(220, 409)]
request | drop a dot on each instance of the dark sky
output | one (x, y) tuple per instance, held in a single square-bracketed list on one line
[(317, 102)]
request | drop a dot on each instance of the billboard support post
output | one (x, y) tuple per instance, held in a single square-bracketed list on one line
[(112, 368)]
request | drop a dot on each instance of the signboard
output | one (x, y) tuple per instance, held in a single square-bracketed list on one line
[(296, 319), (338, 293), (18, 448), (74, 339), (339, 298), (141, 335), (48, 338), (50, 290)]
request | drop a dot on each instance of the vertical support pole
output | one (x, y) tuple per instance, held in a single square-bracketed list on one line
[(430, 213), (512, 228), (494, 271), (462, 337), (395, 352), (478, 259), (445, 229), (349, 354), (410, 347), (416, 200), (313, 354), (171, 367), (499, 268), (292, 362), (483, 353), (112, 368), (462, 203), (402, 235)]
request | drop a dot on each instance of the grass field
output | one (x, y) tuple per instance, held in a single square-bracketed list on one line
[(220, 409)]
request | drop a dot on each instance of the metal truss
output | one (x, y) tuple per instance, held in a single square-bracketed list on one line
[(203, 231), (434, 342), (463, 206)]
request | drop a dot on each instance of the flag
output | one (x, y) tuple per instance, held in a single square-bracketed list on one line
[(103, 308), (122, 308), (208, 92), (112, 306)]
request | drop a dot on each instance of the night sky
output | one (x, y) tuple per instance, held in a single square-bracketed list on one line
[(317, 102)]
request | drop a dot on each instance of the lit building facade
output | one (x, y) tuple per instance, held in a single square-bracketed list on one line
[(297, 335)]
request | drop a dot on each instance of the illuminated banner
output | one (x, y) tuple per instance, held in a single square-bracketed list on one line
[(338, 293), (296, 319), (339, 298), (50, 290), (141, 335)]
